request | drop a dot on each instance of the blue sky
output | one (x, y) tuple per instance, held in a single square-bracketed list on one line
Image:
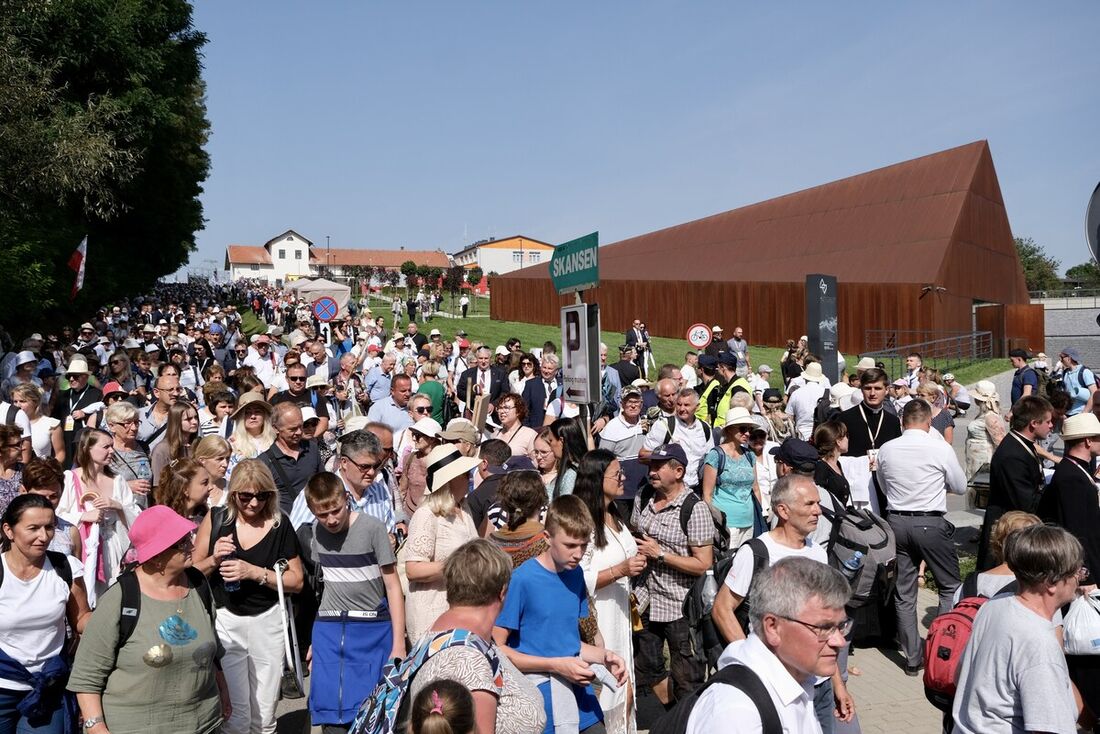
[(433, 124)]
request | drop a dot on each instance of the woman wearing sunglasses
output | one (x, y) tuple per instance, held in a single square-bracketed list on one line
[(238, 547), (729, 476)]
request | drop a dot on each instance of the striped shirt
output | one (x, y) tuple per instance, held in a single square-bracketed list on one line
[(350, 564)]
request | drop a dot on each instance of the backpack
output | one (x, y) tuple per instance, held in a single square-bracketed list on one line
[(947, 638), (864, 532), (131, 601), (12, 414), (386, 710), (741, 678), (708, 432), (1047, 387), (760, 559), (60, 564)]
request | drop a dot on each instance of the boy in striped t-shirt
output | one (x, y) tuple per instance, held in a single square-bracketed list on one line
[(361, 614)]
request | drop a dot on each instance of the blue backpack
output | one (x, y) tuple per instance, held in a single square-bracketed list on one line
[(386, 710)]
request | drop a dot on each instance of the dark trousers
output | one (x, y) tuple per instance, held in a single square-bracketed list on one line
[(12, 721), (686, 672), (464, 310), (919, 539)]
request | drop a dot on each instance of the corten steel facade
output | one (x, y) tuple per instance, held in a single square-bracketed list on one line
[(914, 247)]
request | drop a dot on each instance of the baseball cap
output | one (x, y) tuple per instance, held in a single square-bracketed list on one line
[(764, 368), (670, 451), (501, 350), (727, 358), (460, 429), (463, 344), (797, 454), (708, 360)]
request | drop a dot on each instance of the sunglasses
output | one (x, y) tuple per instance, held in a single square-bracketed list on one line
[(296, 379), (245, 498), (424, 410), (364, 468)]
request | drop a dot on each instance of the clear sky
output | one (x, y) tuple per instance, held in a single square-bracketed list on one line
[(433, 124)]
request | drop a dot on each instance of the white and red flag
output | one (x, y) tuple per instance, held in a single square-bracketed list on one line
[(76, 264)]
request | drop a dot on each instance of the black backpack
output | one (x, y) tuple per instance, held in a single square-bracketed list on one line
[(760, 559), (131, 601), (741, 678)]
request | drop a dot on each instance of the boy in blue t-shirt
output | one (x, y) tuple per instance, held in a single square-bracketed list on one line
[(538, 624)]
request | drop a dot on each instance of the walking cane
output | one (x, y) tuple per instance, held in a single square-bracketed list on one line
[(292, 685)]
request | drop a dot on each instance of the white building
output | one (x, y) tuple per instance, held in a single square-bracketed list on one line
[(504, 255), (290, 256)]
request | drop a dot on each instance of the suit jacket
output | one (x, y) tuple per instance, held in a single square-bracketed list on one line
[(498, 383), (859, 434), (534, 397), (1015, 483), (628, 372), (1070, 501)]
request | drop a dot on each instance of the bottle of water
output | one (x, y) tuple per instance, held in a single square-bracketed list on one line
[(710, 591), (851, 567), (231, 586)]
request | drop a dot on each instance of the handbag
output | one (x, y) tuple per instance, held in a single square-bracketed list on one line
[(1081, 626)]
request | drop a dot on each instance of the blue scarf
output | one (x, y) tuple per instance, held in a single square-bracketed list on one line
[(35, 703)]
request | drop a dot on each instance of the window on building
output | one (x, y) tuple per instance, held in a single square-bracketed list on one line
[(517, 256), (534, 257), (282, 254), (255, 266), (297, 254)]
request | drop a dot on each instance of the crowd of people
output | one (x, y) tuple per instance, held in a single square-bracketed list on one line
[(429, 529)]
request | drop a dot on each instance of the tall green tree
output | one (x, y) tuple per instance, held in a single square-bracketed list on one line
[(102, 128), (408, 269), (1040, 270), (1088, 273), (473, 277)]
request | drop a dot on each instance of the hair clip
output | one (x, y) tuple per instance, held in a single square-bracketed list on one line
[(437, 704)]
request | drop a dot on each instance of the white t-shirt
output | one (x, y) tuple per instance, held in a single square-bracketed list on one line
[(21, 418), (40, 436), (801, 407), (693, 439), (739, 579), (32, 617)]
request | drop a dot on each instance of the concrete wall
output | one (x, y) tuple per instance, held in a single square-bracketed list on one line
[(1074, 327)]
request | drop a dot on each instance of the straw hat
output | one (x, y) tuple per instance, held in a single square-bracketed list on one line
[(445, 463), (813, 372), (738, 416), (985, 392), (1082, 425), (78, 366), (254, 399)]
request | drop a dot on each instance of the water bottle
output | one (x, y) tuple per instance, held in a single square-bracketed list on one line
[(851, 567), (231, 586), (709, 592)]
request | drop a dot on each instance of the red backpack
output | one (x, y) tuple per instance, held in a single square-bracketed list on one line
[(946, 640)]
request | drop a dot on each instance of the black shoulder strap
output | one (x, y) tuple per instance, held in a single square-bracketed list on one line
[(279, 470), (687, 508), (707, 433), (970, 586), (13, 412), (745, 680), (131, 608), (202, 586), (670, 423), (760, 555), (60, 564), (217, 522)]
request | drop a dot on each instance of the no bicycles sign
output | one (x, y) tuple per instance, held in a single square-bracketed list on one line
[(699, 336)]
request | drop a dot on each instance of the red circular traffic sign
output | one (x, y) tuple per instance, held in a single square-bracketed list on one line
[(325, 308), (699, 336)]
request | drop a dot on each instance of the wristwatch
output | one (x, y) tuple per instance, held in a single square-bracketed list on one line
[(661, 557), (91, 723)]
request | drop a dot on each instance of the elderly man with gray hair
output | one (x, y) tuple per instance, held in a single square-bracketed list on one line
[(766, 681)]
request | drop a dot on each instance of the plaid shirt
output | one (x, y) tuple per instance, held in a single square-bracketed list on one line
[(667, 587)]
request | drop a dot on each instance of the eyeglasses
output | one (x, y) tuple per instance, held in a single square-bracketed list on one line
[(186, 544), (246, 498), (16, 445), (824, 632), (618, 476), (364, 468), (296, 379), (117, 361), (742, 429), (131, 422), (1082, 574), (423, 410)]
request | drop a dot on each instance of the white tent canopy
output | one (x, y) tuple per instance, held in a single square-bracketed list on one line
[(311, 290)]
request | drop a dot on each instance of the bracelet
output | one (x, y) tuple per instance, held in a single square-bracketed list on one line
[(263, 580)]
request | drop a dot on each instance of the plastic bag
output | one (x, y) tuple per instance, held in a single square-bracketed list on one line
[(1081, 629)]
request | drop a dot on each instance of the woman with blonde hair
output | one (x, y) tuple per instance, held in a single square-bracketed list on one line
[(99, 502), (542, 452), (942, 420), (240, 548), (985, 430), (214, 453), (47, 438), (1000, 577), (183, 426), (120, 371), (438, 527), (253, 432)]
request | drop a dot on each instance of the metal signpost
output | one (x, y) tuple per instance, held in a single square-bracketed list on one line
[(821, 326), (574, 267)]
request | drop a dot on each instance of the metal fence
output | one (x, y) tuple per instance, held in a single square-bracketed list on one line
[(943, 351)]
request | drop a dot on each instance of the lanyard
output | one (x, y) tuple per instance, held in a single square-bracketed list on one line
[(73, 403), (1084, 471), (1030, 449), (881, 419)]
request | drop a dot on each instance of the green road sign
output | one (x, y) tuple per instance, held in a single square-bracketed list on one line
[(575, 265)]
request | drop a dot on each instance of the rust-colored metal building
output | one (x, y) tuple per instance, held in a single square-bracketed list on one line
[(914, 246)]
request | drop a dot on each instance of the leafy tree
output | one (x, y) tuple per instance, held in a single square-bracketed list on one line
[(408, 269), (1040, 270), (1088, 273), (393, 277), (452, 282), (473, 277), (102, 127), (423, 272)]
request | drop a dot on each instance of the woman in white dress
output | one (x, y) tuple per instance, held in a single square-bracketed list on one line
[(101, 505), (611, 560), (985, 430), (47, 438)]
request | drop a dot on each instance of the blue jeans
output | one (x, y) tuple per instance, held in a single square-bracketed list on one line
[(13, 722)]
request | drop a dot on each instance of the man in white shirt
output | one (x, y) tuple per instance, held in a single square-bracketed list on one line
[(262, 360), (623, 437), (785, 651), (695, 436), (687, 370), (760, 382), (796, 506), (803, 401), (915, 472)]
